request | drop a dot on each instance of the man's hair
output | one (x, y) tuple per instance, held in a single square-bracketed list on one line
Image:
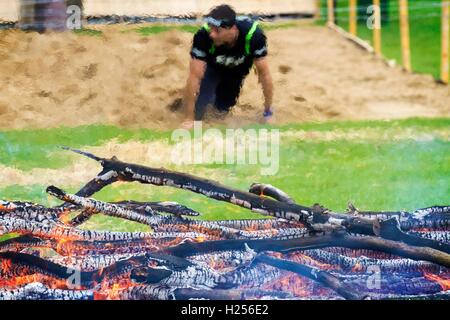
[(224, 13)]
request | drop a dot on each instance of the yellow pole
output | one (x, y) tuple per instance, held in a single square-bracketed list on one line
[(330, 12), (317, 10), (377, 27), (352, 19), (404, 34), (445, 42)]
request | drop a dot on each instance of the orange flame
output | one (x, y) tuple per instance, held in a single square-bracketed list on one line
[(65, 217), (6, 265), (6, 208), (63, 245), (19, 281), (113, 293), (300, 287), (357, 267), (444, 283), (300, 257), (200, 239)]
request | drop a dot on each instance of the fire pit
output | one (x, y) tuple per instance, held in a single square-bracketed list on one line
[(299, 253)]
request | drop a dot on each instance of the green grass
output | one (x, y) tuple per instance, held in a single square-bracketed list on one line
[(425, 33), (268, 26), (28, 149), (375, 174), (157, 29), (88, 32)]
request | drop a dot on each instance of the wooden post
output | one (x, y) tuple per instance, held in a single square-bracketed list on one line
[(404, 34), (317, 10), (330, 12), (377, 27), (352, 17), (445, 42)]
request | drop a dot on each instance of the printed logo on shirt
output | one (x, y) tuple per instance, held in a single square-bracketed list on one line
[(230, 61)]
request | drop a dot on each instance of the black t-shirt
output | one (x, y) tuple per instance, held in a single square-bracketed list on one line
[(234, 60)]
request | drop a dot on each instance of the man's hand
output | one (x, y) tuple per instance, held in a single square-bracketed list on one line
[(187, 124), (265, 78), (268, 116)]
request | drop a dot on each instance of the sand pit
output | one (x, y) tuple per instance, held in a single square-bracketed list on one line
[(130, 80)]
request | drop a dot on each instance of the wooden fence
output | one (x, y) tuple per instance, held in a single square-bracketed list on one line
[(404, 30)]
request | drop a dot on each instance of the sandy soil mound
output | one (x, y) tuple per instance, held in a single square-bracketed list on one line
[(130, 80)]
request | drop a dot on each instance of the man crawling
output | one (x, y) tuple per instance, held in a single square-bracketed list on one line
[(223, 52)]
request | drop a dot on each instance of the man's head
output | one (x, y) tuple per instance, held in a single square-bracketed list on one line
[(222, 24)]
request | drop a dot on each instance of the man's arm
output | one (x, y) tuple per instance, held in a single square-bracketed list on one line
[(265, 78), (196, 72)]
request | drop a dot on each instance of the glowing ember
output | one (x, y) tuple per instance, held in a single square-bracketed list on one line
[(444, 283)]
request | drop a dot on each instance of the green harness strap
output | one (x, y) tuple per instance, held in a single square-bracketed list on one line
[(248, 38), (213, 47)]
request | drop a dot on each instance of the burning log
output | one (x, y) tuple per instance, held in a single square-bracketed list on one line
[(91, 262), (397, 282), (174, 224), (362, 264), (15, 264), (233, 294), (225, 259), (18, 244), (252, 276), (151, 292), (84, 248), (433, 217), (438, 296), (144, 208), (60, 231), (106, 208), (441, 236), (334, 240), (161, 207), (37, 291)]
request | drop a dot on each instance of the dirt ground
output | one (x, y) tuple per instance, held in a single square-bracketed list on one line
[(129, 80)]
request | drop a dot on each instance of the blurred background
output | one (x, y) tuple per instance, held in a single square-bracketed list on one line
[(12, 10), (424, 19)]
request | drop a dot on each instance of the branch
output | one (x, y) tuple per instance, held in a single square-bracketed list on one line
[(99, 206), (211, 189), (271, 191)]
